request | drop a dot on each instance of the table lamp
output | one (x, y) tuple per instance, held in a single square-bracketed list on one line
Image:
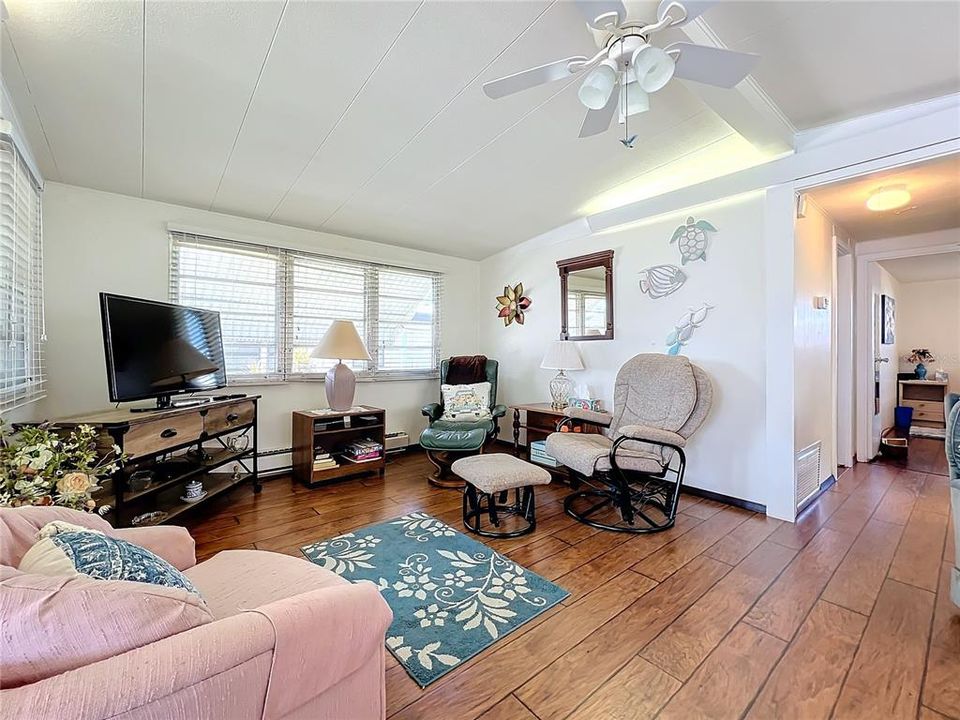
[(562, 355), (341, 341)]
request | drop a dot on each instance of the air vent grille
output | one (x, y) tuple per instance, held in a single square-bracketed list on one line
[(808, 473)]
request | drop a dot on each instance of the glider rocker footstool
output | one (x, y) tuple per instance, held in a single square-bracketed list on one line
[(489, 479)]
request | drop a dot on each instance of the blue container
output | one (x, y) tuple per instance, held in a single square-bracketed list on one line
[(903, 417)]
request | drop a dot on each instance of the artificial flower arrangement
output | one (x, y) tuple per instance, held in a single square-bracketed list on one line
[(39, 466), (920, 355)]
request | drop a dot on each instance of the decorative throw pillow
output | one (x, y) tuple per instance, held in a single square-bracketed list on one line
[(466, 403), (66, 549)]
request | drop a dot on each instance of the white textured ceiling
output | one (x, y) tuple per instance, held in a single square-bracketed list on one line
[(934, 189), (924, 268), (367, 118)]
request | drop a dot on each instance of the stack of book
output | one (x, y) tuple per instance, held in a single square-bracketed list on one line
[(365, 450), (324, 461), (538, 454)]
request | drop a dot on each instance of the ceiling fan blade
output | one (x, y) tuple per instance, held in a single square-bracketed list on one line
[(693, 8), (598, 13), (597, 121), (712, 66), (526, 79)]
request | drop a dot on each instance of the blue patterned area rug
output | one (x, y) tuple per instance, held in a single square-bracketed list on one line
[(451, 596)]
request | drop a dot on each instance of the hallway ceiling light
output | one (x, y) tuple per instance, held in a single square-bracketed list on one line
[(890, 197)]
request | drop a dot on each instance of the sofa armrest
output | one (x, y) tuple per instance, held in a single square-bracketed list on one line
[(174, 544), (498, 411), (596, 418), (651, 434), (432, 411), (332, 631)]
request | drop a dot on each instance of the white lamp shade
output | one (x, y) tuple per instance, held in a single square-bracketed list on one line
[(562, 355), (598, 86), (637, 101), (341, 341), (652, 68)]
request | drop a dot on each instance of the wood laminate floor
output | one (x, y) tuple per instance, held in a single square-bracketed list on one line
[(925, 455), (729, 614)]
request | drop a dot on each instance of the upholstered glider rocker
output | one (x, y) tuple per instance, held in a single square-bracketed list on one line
[(634, 468), (446, 437)]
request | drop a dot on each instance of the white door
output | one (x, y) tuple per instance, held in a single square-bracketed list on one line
[(845, 360), (884, 290)]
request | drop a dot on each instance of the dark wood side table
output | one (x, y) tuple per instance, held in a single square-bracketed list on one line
[(328, 432), (540, 420)]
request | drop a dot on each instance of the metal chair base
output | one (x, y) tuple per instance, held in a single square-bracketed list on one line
[(476, 504), (648, 506)]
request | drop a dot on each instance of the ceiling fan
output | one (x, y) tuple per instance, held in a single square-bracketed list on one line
[(628, 68)]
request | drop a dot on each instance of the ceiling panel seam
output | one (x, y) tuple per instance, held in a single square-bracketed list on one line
[(436, 115), (496, 137), (33, 105), (346, 109), (246, 110)]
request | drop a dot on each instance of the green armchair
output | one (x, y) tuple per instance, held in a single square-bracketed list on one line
[(443, 440)]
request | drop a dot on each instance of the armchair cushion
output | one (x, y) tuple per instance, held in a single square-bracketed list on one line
[(55, 624), (227, 579), (651, 434), (587, 453), (597, 418)]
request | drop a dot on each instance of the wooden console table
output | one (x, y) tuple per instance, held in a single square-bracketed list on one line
[(926, 397), (328, 432), (170, 444)]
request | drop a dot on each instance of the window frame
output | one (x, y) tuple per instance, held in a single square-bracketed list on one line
[(31, 323), (286, 259)]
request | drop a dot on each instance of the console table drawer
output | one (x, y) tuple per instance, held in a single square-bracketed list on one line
[(925, 406), (936, 416), (227, 417), (158, 435)]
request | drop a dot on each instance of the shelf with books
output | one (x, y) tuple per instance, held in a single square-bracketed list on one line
[(329, 446)]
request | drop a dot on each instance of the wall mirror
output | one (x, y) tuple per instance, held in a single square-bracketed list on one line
[(586, 297)]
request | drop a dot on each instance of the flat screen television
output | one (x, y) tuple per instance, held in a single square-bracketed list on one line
[(155, 349)]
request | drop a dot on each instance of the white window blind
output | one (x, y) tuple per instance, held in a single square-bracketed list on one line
[(275, 304), (22, 334)]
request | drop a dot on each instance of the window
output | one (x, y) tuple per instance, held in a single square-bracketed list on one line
[(275, 305), (21, 281)]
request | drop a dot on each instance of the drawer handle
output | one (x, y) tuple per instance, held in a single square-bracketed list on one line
[(168, 433), (232, 418)]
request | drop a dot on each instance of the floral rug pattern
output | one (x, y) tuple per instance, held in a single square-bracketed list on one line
[(451, 596)]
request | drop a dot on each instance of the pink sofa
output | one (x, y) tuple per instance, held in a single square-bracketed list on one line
[(287, 640)]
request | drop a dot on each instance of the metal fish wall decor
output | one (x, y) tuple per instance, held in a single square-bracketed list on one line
[(659, 281), (683, 330)]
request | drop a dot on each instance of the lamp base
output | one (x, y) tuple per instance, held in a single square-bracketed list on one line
[(341, 384), (560, 389)]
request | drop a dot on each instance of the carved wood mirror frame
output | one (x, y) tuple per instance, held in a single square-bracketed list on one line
[(603, 259)]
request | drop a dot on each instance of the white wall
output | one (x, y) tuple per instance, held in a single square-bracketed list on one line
[(814, 361), (728, 454), (928, 316), (96, 241)]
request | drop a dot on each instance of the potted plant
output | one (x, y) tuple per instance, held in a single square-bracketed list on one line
[(919, 356), (39, 466)]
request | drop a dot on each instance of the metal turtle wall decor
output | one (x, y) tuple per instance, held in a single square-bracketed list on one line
[(659, 281), (512, 304), (691, 239), (683, 330)]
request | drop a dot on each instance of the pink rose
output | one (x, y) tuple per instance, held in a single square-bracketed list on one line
[(75, 482)]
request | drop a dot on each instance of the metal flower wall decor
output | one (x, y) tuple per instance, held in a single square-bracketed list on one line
[(512, 304)]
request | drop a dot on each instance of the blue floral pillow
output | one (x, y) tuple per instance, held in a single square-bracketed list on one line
[(65, 548)]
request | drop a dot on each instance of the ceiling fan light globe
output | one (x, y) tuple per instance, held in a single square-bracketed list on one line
[(598, 86), (636, 101), (652, 68)]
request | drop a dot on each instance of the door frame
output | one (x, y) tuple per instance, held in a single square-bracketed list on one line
[(863, 323), (845, 352)]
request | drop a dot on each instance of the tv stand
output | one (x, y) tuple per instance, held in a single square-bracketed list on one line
[(170, 442)]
